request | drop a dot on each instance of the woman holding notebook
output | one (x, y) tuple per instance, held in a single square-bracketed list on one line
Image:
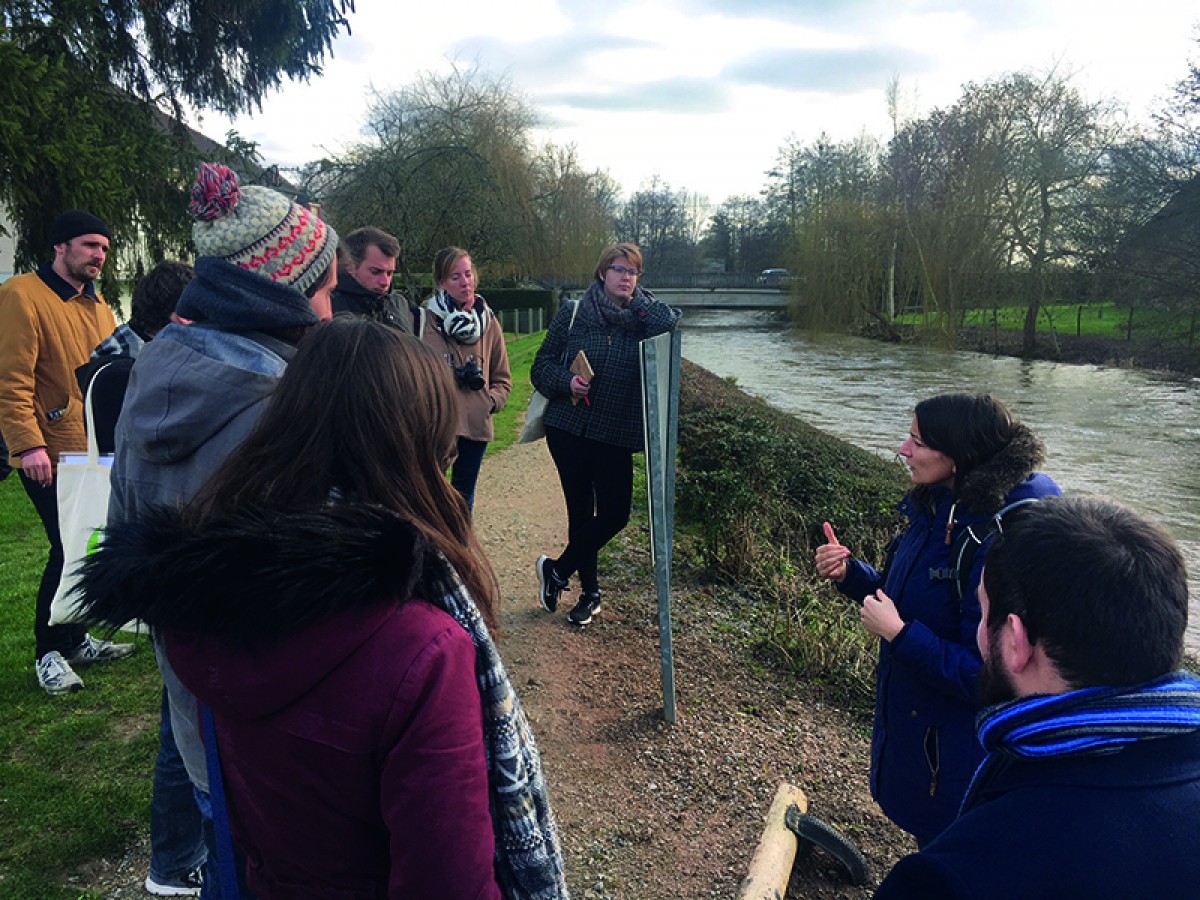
[(588, 368)]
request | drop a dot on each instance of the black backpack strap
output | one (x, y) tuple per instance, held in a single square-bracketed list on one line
[(972, 538)]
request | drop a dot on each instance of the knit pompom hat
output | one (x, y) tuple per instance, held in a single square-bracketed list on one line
[(259, 229)]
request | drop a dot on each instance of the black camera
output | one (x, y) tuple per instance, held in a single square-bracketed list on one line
[(469, 375)]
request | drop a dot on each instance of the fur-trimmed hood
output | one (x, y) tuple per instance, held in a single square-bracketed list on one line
[(985, 488), (251, 579)]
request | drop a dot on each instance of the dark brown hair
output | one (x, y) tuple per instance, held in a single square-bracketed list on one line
[(155, 296), (369, 414), (1102, 589), (354, 245)]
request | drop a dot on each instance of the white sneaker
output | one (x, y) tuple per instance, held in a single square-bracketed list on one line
[(188, 886), (56, 676), (95, 650)]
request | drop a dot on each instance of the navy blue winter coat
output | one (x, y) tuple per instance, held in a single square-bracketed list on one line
[(1122, 825), (923, 746)]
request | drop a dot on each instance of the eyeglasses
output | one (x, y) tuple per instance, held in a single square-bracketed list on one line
[(621, 270)]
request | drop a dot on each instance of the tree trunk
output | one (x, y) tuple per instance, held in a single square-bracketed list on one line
[(1029, 339), (891, 282)]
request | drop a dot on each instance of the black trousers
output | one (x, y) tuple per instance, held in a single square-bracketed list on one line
[(47, 637), (597, 483)]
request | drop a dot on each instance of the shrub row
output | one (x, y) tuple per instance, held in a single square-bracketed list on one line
[(753, 487)]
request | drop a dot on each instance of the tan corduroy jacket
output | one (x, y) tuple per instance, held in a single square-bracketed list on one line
[(43, 339), (475, 408)]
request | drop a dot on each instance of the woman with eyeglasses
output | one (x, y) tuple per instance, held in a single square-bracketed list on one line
[(969, 459), (594, 424)]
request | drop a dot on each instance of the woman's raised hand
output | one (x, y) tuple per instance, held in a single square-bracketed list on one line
[(831, 557)]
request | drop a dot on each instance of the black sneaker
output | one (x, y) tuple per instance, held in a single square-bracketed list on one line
[(588, 606), (551, 584)]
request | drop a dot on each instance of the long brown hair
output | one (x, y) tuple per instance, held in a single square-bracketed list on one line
[(366, 414)]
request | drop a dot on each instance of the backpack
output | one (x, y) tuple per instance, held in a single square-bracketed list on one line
[(967, 546)]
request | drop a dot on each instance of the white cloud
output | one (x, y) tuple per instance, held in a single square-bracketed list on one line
[(704, 92)]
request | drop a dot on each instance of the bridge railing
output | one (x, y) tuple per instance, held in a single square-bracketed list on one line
[(714, 280), (652, 280)]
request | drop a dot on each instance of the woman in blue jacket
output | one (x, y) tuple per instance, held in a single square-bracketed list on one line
[(968, 459), (594, 425)]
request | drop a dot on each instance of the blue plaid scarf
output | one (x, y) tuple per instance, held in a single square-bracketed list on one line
[(1088, 722), (528, 857)]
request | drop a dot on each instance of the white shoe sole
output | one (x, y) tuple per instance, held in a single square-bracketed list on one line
[(581, 622), (167, 890)]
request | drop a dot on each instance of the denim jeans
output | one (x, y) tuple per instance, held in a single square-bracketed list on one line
[(176, 827), (465, 473)]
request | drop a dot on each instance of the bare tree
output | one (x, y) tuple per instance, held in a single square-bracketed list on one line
[(661, 221), (573, 212), (449, 162), (1055, 147)]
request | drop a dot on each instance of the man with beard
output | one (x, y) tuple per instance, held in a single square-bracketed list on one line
[(368, 261), (1091, 783), (49, 322)]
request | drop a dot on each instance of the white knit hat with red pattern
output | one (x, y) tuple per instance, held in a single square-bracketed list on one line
[(259, 229)]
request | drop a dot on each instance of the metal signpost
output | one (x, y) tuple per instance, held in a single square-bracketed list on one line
[(660, 389)]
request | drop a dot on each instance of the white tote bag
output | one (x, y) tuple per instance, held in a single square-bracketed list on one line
[(535, 427), (82, 511)]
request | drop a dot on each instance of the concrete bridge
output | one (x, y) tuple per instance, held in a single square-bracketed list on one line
[(723, 297)]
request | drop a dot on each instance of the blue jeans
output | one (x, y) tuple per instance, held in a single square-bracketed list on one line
[(465, 472), (176, 827)]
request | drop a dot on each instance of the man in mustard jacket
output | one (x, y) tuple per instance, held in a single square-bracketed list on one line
[(50, 320)]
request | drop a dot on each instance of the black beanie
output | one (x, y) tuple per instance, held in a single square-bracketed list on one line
[(73, 223)]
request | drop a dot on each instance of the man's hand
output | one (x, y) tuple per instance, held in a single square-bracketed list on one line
[(36, 465)]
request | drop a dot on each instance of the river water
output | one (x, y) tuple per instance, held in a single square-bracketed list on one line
[(1132, 436)]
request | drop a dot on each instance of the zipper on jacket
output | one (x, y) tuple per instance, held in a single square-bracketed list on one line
[(933, 757)]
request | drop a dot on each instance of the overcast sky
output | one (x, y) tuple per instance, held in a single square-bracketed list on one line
[(703, 93)]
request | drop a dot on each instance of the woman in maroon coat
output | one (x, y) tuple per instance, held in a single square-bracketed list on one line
[(325, 596)]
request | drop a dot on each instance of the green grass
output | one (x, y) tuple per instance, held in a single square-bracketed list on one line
[(1105, 320), (75, 770), (508, 421)]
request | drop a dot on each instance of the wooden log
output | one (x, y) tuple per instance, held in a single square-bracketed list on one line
[(771, 866)]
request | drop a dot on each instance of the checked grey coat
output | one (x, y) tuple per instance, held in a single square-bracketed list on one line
[(614, 414)]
